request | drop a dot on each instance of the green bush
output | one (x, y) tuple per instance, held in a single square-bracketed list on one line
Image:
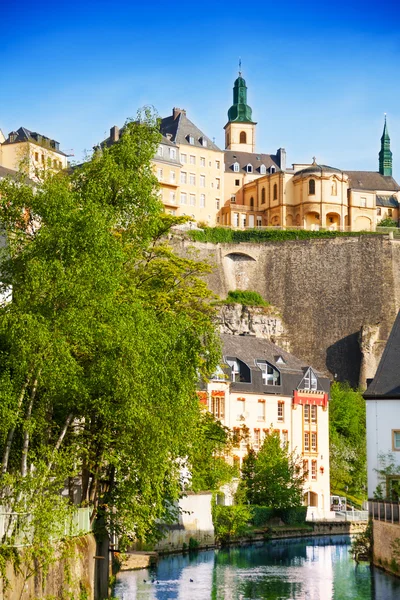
[(225, 235), (231, 521), (246, 298), (388, 222), (261, 515), (193, 544), (294, 515)]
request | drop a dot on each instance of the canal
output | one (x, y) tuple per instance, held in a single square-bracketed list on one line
[(300, 569)]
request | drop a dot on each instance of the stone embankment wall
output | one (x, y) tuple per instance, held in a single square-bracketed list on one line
[(74, 575), (384, 534), (338, 297)]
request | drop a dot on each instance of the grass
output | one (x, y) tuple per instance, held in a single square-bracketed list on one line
[(245, 297)]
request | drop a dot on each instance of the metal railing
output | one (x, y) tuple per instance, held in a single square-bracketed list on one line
[(315, 515), (382, 510)]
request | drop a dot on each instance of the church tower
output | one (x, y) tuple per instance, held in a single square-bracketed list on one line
[(385, 155), (240, 131)]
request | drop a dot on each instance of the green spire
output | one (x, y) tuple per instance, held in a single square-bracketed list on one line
[(240, 111), (385, 155)]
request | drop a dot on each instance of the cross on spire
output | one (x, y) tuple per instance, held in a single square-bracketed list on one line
[(240, 66)]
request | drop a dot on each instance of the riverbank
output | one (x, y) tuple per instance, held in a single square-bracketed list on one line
[(142, 560)]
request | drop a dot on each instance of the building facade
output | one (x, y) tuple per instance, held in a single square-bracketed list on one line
[(262, 388)]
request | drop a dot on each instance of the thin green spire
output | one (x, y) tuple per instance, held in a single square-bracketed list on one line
[(385, 154)]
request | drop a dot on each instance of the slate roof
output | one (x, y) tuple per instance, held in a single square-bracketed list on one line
[(7, 172), (249, 349), (181, 128), (25, 135), (386, 383), (256, 159), (372, 180), (318, 169), (390, 201)]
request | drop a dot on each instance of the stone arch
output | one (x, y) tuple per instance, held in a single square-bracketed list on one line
[(242, 137), (362, 223), (289, 220), (332, 220), (311, 220)]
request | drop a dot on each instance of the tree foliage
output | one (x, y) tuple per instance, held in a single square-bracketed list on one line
[(347, 432), (104, 340), (273, 477)]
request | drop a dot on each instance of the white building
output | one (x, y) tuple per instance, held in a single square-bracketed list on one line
[(383, 420), (265, 388)]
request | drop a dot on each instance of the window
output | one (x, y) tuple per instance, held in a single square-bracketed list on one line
[(218, 374), (183, 177), (285, 437), (263, 196), (270, 375), (242, 137), (217, 203), (217, 407), (160, 150), (192, 179), (272, 169), (43, 161), (202, 161), (235, 219), (190, 139), (306, 412), (259, 221), (313, 413), (249, 168), (313, 470), (363, 202), (202, 181), (305, 468), (313, 442), (159, 174), (261, 411), (379, 211), (281, 411), (172, 176), (334, 188), (172, 211), (390, 212), (233, 198), (236, 167), (311, 187), (395, 439), (202, 200), (218, 184), (240, 372), (36, 156), (192, 200), (172, 197), (183, 159), (217, 164), (263, 169), (275, 191), (257, 439), (237, 182), (204, 142), (306, 441), (172, 153), (252, 202), (183, 198), (309, 381), (192, 159), (241, 405), (243, 220)]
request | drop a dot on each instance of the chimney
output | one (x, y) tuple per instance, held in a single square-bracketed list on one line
[(114, 134), (177, 111), (281, 155), (168, 136)]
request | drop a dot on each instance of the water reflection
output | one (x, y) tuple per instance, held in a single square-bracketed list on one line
[(307, 569)]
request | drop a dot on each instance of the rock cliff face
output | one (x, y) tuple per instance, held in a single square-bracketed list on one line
[(327, 291), (259, 321)]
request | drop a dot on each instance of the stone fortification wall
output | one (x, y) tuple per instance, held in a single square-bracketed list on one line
[(338, 298), (384, 535)]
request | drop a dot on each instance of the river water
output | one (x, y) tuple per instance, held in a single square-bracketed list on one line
[(300, 569)]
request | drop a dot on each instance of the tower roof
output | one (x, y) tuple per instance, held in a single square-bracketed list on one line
[(385, 154), (240, 111)]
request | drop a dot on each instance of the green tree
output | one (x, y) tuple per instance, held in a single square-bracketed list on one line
[(245, 491), (275, 478), (104, 340), (347, 431)]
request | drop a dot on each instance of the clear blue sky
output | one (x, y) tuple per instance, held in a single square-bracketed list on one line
[(320, 75)]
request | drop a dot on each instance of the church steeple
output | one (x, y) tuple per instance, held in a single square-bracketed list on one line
[(240, 130), (385, 154), (240, 111)]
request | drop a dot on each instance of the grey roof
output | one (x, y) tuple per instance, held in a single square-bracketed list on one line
[(25, 135), (181, 128), (7, 172), (390, 201), (386, 383), (317, 170), (256, 159), (249, 349), (372, 181)]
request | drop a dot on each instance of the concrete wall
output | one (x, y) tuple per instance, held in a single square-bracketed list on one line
[(68, 576), (326, 290), (384, 535)]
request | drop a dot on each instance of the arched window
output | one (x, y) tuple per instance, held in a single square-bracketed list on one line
[(249, 168), (275, 191), (252, 202), (263, 196), (243, 137), (334, 187), (236, 167), (311, 187), (263, 170)]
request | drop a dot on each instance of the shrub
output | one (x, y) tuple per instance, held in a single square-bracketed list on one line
[(246, 298), (261, 515), (293, 515), (388, 222), (193, 544), (231, 521)]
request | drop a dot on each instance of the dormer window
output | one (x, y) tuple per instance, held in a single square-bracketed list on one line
[(240, 372), (263, 170), (236, 167), (203, 142), (190, 139), (309, 381), (249, 168), (272, 169), (218, 375), (280, 360), (160, 150), (270, 375)]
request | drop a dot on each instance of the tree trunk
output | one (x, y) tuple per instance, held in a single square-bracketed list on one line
[(10, 436), (25, 445)]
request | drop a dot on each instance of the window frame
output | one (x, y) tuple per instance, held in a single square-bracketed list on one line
[(394, 432), (311, 187)]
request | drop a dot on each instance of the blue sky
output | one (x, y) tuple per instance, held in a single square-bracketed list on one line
[(319, 75)]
